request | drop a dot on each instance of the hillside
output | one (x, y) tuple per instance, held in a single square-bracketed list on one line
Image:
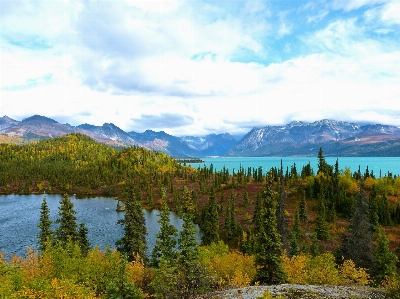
[(39, 127)]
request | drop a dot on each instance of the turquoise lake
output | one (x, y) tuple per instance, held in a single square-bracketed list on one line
[(379, 165)]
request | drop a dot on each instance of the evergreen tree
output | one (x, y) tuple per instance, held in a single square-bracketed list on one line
[(210, 221), (187, 242), (294, 245), (83, 239), (232, 227), (133, 241), (322, 165), (296, 235), (385, 260), (45, 233), (314, 248), (246, 198), (282, 220), (164, 248), (303, 208), (322, 227), (358, 242), (68, 227), (373, 209), (268, 247), (296, 230)]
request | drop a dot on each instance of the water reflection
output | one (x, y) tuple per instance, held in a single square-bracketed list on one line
[(19, 216)]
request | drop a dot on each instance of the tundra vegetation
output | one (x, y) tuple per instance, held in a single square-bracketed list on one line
[(323, 227)]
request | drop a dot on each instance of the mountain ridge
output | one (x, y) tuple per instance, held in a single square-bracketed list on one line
[(297, 138)]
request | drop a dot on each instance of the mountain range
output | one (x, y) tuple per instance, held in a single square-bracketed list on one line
[(337, 138)]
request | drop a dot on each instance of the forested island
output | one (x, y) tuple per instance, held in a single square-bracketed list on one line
[(307, 226)]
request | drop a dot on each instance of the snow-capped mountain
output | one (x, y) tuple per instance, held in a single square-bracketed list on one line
[(300, 138), (337, 138)]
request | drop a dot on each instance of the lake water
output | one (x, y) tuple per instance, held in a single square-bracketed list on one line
[(377, 164), (19, 216)]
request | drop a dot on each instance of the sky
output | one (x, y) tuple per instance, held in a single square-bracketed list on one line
[(200, 67)]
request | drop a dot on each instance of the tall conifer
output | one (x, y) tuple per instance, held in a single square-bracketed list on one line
[(268, 247), (67, 220), (210, 221), (164, 248), (45, 233), (358, 242), (133, 241)]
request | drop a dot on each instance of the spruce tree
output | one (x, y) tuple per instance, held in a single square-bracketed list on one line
[(187, 242), (303, 208), (282, 220), (210, 221), (373, 209), (268, 247), (322, 227), (296, 235), (133, 241), (83, 239), (232, 227), (314, 248), (45, 233), (385, 260), (296, 230), (294, 245), (358, 242), (67, 220), (164, 248), (246, 198)]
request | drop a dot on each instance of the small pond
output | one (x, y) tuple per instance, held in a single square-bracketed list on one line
[(19, 216)]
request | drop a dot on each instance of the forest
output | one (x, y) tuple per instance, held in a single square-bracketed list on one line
[(325, 226)]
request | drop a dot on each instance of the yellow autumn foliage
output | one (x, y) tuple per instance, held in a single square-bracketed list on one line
[(322, 270), (231, 269)]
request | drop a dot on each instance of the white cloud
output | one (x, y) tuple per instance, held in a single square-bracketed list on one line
[(349, 5), (161, 6), (210, 67)]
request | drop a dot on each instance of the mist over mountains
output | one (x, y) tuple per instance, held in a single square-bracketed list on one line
[(337, 138)]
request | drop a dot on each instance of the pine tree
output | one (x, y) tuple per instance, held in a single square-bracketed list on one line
[(282, 220), (246, 198), (133, 242), (373, 209), (294, 245), (83, 239), (164, 248), (385, 260), (268, 247), (303, 208), (296, 230), (232, 227), (45, 232), (68, 227), (322, 165), (358, 242), (314, 248), (210, 221), (187, 242), (322, 227)]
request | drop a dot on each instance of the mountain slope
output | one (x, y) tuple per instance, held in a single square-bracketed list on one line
[(336, 137), (212, 144), (39, 127)]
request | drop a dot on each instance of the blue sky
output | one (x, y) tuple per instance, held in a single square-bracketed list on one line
[(200, 67)]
